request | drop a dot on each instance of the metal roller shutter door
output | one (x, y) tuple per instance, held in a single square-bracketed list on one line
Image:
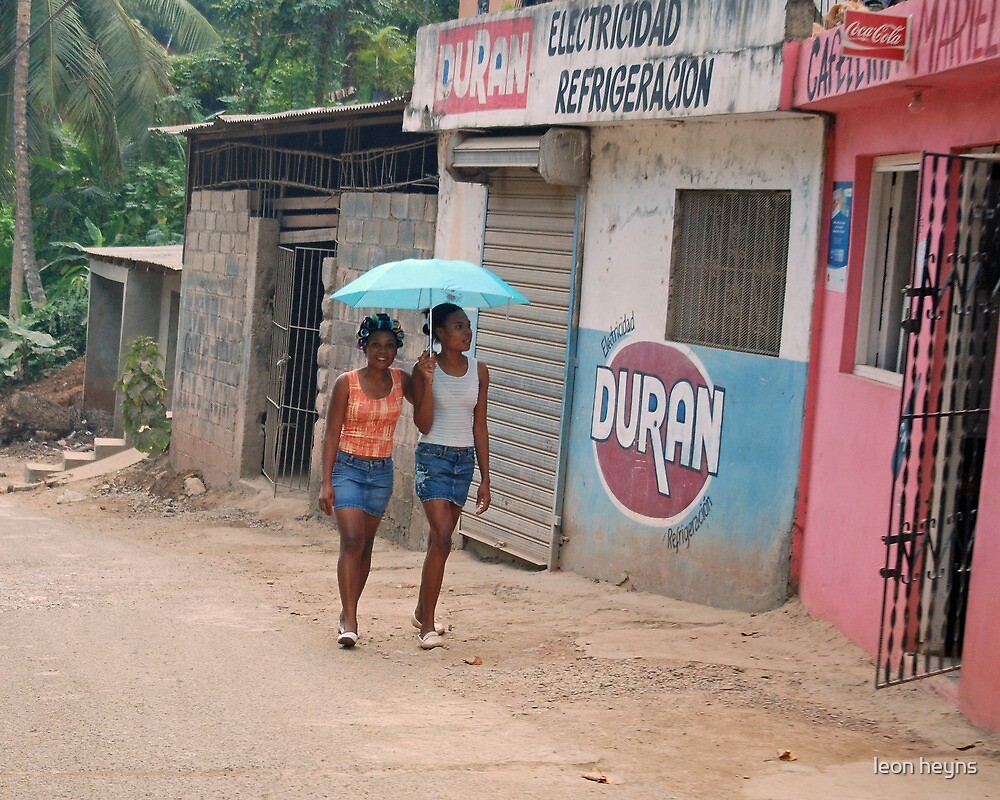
[(530, 241)]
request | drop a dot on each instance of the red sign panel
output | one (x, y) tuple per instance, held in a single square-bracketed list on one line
[(876, 35), (483, 66), (657, 430)]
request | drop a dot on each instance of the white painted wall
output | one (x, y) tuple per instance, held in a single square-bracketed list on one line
[(636, 171), (461, 213)]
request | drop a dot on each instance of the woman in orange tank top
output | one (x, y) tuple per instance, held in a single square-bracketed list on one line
[(361, 419)]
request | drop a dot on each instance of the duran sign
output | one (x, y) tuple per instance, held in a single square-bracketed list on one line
[(876, 35), (657, 430), (483, 66)]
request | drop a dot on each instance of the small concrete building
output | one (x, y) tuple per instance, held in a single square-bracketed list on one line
[(283, 209), (628, 166), (899, 518), (134, 291)]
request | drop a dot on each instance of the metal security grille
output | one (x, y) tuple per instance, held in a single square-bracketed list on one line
[(530, 241), (291, 397), (267, 166), (952, 307), (727, 280)]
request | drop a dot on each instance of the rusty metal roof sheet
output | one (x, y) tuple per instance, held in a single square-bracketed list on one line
[(167, 258), (310, 114)]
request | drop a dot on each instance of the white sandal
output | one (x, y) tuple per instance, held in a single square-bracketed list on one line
[(430, 640), (346, 638), (439, 627)]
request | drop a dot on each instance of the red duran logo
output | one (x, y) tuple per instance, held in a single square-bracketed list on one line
[(876, 35), (657, 430), (483, 67)]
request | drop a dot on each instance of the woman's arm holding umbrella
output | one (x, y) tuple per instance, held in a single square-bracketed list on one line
[(421, 391)]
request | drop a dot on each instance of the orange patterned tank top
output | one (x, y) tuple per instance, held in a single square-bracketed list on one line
[(370, 424)]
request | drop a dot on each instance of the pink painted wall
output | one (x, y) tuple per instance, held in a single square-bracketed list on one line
[(851, 422)]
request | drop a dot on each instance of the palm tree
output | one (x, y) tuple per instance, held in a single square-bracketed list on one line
[(92, 67)]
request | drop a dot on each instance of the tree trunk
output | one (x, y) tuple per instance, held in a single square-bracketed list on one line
[(23, 267)]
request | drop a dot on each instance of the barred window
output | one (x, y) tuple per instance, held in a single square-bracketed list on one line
[(727, 280)]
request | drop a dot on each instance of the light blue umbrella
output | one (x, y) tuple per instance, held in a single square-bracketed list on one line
[(417, 283)]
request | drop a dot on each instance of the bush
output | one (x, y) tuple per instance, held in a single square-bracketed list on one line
[(25, 352), (144, 392)]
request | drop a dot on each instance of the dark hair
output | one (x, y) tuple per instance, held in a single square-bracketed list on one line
[(379, 322), (439, 314)]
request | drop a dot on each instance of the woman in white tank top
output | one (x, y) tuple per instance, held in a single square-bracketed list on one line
[(453, 439)]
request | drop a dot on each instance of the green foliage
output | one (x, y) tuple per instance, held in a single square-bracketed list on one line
[(144, 392), (64, 318), (96, 71), (382, 63), (25, 352)]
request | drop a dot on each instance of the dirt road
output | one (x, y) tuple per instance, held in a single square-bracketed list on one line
[(185, 648)]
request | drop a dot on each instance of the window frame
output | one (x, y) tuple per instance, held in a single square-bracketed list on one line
[(880, 202)]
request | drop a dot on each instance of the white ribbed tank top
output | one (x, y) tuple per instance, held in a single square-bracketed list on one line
[(454, 402)]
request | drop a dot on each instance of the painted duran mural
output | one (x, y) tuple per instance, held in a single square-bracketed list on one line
[(577, 62), (688, 457)]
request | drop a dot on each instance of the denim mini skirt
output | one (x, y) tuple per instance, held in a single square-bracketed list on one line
[(364, 483), (444, 473)]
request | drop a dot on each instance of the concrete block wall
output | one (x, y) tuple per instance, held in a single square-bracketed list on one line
[(375, 228), (227, 254)]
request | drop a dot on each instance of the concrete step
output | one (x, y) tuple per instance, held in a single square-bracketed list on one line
[(75, 458), (37, 472), (104, 446)]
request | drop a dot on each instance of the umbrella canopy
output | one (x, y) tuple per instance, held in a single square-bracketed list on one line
[(416, 283)]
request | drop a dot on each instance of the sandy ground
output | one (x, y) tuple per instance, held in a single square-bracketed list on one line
[(665, 699)]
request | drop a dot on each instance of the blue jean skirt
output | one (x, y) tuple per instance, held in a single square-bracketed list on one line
[(364, 483), (444, 473)]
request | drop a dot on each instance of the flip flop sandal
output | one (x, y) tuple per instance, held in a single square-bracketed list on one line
[(439, 627), (430, 640)]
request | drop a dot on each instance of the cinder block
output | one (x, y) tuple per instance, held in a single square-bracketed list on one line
[(423, 237), (240, 240), (346, 255), (372, 231), (399, 205), (364, 204), (349, 231), (406, 234), (329, 273), (418, 206), (390, 232), (380, 205)]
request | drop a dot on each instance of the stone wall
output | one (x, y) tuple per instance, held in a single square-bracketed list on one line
[(220, 379), (375, 228)]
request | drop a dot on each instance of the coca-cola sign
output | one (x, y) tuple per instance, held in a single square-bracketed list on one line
[(876, 35)]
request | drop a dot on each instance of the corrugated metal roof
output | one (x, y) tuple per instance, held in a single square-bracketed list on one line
[(168, 258), (310, 114)]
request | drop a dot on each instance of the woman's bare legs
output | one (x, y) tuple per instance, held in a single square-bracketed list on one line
[(443, 518), (357, 538)]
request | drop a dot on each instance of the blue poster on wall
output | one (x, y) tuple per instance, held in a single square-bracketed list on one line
[(840, 236)]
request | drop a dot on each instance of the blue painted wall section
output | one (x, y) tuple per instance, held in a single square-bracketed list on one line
[(705, 513)]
